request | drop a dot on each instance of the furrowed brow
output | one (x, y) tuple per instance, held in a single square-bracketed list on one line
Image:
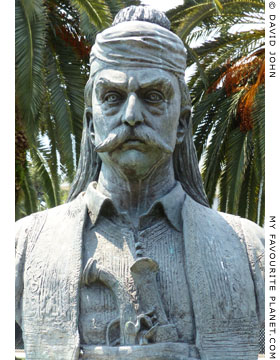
[(106, 83), (161, 84)]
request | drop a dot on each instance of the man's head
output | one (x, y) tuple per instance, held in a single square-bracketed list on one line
[(137, 103), (134, 118)]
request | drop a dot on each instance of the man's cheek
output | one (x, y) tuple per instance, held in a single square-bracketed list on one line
[(100, 130), (110, 110)]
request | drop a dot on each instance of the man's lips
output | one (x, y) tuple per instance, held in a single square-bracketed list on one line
[(132, 142)]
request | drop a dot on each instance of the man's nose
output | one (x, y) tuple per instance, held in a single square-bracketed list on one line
[(132, 114)]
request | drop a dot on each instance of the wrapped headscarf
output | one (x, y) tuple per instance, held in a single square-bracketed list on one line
[(138, 44)]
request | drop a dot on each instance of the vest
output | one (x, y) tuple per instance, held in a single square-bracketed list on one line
[(224, 269)]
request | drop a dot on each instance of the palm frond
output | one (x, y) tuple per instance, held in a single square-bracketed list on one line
[(258, 118), (235, 166), (50, 155), (60, 107), (41, 167), (30, 198), (96, 10), (30, 34), (262, 204), (214, 156), (253, 195)]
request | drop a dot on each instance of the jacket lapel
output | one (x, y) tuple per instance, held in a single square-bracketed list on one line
[(52, 277), (221, 286)]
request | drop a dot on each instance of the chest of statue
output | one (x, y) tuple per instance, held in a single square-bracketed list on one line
[(54, 298), (134, 288)]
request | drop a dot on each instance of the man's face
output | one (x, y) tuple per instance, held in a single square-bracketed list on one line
[(135, 117)]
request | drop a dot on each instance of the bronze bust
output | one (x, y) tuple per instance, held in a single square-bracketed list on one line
[(136, 265)]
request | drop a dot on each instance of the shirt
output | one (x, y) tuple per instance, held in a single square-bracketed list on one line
[(113, 244)]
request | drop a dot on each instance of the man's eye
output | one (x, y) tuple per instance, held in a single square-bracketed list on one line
[(154, 97), (113, 97)]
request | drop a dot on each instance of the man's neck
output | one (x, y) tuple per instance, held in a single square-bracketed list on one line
[(134, 196)]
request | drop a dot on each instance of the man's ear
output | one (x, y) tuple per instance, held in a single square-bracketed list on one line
[(183, 124), (90, 126)]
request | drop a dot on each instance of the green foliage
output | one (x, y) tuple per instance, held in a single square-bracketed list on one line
[(227, 90), (53, 40), (31, 20)]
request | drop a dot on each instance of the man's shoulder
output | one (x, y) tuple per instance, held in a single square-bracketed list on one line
[(28, 220), (252, 232), (51, 216), (210, 217)]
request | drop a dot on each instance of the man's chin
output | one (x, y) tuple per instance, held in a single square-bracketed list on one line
[(134, 162)]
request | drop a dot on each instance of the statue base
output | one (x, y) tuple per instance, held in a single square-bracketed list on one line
[(160, 351)]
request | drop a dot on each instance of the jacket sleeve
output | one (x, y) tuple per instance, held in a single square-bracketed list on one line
[(254, 239)]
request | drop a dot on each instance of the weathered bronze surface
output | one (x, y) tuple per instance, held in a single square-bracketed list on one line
[(136, 265)]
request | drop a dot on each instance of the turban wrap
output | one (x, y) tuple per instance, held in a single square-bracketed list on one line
[(138, 44)]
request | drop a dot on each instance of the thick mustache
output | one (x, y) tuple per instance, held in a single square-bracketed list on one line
[(121, 134)]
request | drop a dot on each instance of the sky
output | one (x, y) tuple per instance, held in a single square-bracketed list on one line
[(162, 5)]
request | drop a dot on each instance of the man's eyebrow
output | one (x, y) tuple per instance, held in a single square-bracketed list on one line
[(106, 82), (163, 83), (155, 82)]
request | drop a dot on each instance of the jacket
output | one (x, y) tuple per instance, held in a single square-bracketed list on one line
[(224, 268)]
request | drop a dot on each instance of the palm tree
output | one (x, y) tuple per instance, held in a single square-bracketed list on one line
[(225, 42), (53, 39)]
